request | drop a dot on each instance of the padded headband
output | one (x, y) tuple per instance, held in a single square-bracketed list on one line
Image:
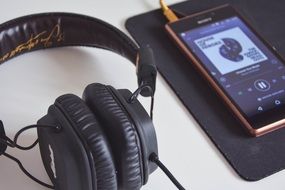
[(48, 30)]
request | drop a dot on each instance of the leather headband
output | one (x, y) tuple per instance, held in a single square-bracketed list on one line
[(48, 30)]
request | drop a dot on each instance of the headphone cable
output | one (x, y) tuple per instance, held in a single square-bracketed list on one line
[(154, 158), (26, 172), (137, 93), (13, 144)]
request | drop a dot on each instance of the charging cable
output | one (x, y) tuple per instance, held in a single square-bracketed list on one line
[(168, 13)]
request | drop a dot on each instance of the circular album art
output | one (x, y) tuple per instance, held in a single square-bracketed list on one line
[(231, 50)]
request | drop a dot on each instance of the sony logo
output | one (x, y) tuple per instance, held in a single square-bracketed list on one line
[(205, 20)]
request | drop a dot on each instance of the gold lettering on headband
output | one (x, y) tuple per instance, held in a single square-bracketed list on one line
[(44, 38)]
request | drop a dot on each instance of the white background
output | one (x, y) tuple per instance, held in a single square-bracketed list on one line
[(30, 83)]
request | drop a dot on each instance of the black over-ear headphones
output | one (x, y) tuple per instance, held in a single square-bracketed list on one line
[(104, 141)]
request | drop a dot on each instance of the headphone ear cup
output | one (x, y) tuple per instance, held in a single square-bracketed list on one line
[(89, 131), (61, 151), (121, 133)]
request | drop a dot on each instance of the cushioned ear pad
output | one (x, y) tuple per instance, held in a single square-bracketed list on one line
[(90, 132), (121, 133)]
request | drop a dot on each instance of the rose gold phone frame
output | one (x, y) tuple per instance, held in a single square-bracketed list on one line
[(255, 132)]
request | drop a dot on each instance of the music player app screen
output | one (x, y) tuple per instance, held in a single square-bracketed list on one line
[(243, 66)]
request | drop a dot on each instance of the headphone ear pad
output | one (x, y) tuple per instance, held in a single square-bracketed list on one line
[(121, 133), (85, 124)]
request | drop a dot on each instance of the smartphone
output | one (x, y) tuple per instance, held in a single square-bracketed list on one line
[(246, 72)]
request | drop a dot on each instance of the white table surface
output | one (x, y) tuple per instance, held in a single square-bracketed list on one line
[(30, 83)]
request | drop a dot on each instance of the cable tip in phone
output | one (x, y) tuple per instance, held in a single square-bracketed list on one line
[(168, 13)]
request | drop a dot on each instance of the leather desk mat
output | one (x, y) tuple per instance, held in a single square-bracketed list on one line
[(252, 158)]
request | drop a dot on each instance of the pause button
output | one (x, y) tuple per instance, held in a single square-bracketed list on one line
[(262, 85)]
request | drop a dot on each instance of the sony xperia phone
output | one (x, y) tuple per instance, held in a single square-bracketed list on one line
[(246, 72)]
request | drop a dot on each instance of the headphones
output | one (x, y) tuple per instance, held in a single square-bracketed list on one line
[(104, 141)]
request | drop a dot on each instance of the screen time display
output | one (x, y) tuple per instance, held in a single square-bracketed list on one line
[(245, 68)]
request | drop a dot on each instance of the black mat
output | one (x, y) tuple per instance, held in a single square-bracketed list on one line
[(252, 158)]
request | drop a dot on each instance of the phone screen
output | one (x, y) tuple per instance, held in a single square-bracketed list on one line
[(245, 68)]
